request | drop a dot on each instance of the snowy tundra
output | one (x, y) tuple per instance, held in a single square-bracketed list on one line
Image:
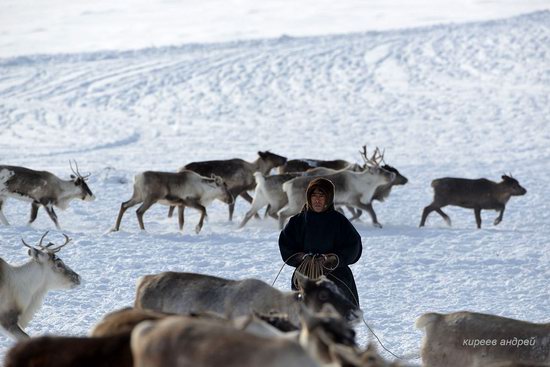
[(460, 100)]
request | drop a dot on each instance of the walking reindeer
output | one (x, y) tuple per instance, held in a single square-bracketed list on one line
[(42, 188)]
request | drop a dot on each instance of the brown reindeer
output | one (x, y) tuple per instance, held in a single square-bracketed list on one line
[(472, 194)]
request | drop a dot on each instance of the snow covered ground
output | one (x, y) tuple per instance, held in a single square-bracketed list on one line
[(467, 100)]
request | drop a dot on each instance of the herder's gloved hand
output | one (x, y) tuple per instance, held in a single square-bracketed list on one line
[(296, 259), (331, 261)]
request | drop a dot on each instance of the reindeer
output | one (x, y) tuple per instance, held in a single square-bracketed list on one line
[(42, 188), (185, 188), (236, 173), (269, 191), (58, 351), (305, 164), (354, 189), (22, 288), (472, 194), (469, 339), (383, 191), (184, 293), (185, 342)]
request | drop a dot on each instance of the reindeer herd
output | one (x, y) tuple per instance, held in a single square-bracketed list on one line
[(197, 184), (186, 319)]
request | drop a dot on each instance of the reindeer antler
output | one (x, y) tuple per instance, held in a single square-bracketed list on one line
[(48, 248), (77, 172), (54, 250), (376, 158)]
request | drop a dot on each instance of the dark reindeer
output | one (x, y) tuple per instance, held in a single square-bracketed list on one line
[(238, 174), (304, 164), (472, 194), (42, 188)]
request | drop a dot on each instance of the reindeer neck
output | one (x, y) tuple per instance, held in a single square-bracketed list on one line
[(261, 166)]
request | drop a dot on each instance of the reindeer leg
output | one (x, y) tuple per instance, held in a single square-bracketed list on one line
[(477, 212), (171, 211), (51, 213), (34, 212), (427, 210), (123, 207), (202, 209), (245, 195), (142, 209), (445, 216), (181, 209), (499, 218), (2, 217), (373, 215), (8, 321)]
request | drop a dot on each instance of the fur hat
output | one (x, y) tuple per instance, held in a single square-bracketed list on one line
[(323, 185)]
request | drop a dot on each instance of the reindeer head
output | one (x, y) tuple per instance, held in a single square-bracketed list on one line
[(226, 196), (270, 160), (56, 274), (372, 165), (513, 186), (80, 181), (317, 293)]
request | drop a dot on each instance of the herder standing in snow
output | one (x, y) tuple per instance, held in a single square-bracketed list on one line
[(321, 237)]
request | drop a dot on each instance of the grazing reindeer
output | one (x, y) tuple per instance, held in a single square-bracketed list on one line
[(41, 188), (236, 173), (468, 339), (22, 288), (184, 188), (472, 194)]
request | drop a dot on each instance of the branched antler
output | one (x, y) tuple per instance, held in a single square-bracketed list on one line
[(376, 159), (48, 248), (77, 172)]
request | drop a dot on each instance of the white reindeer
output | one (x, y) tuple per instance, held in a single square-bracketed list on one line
[(22, 288)]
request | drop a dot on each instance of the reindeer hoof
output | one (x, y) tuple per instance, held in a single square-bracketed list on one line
[(497, 221), (377, 225), (448, 221), (197, 229)]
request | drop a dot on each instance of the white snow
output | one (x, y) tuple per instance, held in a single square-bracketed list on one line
[(464, 100)]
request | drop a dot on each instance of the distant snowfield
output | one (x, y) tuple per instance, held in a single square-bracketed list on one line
[(467, 100), (57, 26)]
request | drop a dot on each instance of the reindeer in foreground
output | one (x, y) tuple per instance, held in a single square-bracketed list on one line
[(238, 174), (472, 194), (183, 189), (468, 339), (184, 293), (22, 288), (42, 188)]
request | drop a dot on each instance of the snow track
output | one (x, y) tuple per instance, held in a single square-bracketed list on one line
[(467, 100)]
